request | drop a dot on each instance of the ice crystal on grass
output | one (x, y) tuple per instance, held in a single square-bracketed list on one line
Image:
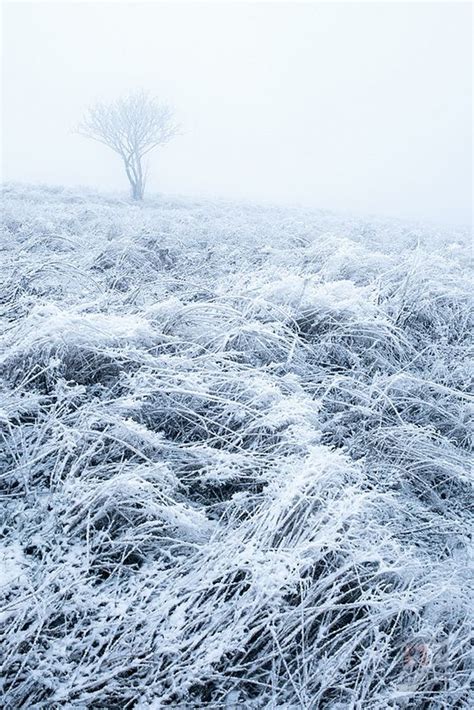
[(235, 457)]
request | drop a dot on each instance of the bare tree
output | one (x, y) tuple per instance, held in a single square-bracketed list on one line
[(131, 126)]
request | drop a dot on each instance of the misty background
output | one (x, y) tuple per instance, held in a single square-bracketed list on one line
[(363, 106)]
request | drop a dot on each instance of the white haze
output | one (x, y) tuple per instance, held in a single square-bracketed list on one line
[(365, 107)]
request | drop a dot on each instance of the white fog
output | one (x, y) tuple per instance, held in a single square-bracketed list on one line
[(353, 106)]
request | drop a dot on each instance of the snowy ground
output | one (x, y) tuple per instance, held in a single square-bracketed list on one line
[(235, 457)]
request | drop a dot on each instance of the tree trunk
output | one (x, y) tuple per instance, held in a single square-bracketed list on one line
[(137, 191), (139, 182), (134, 172)]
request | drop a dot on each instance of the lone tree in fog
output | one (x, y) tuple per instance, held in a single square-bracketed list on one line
[(131, 126)]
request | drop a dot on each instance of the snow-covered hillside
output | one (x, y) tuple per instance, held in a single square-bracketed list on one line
[(234, 457)]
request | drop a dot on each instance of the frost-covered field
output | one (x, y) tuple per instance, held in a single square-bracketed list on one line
[(235, 457)]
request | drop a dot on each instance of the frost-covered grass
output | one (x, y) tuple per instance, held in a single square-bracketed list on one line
[(235, 457)]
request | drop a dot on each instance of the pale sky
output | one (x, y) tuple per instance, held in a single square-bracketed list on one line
[(363, 106)]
